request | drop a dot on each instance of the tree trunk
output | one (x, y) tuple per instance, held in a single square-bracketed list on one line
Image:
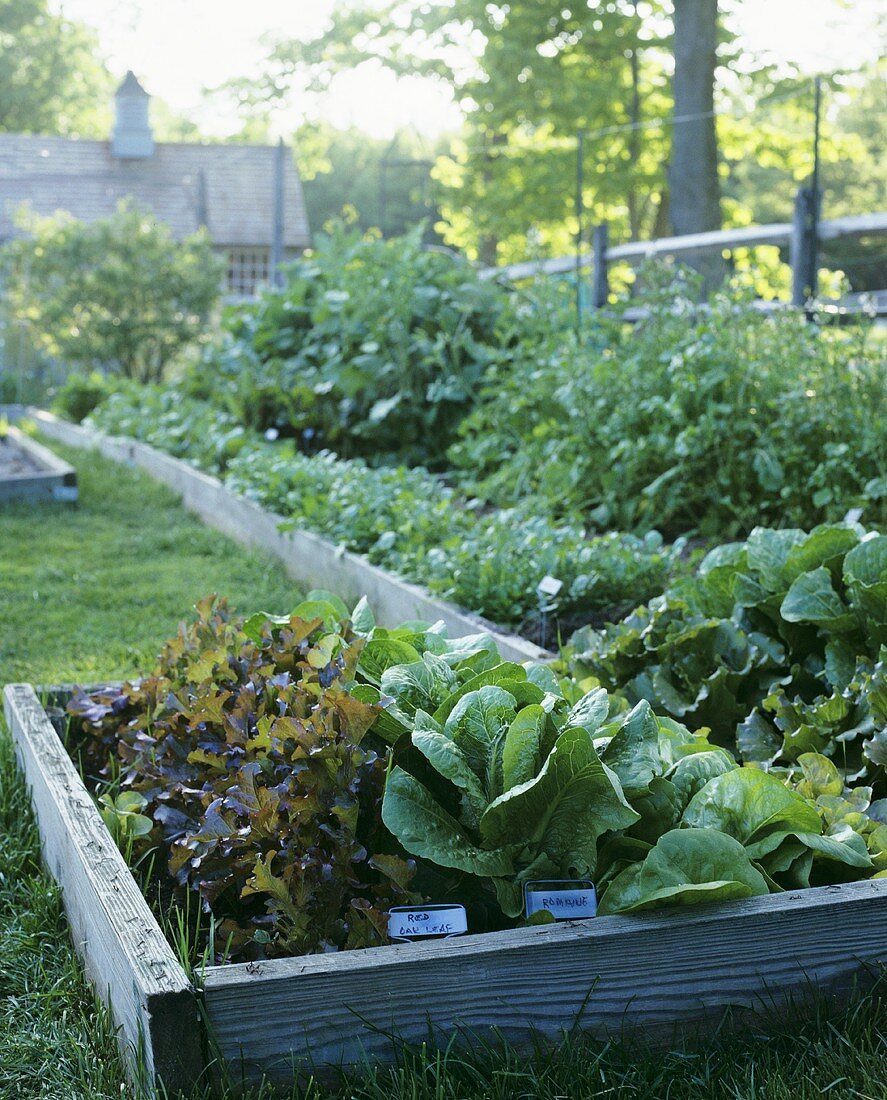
[(634, 135), (695, 198)]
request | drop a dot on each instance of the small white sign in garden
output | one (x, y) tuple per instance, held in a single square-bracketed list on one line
[(406, 922), (565, 900)]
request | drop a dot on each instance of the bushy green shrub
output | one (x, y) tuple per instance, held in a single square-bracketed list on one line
[(406, 520), (81, 394), (374, 347), (710, 421), (119, 293)]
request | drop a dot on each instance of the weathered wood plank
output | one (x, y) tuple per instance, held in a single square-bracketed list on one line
[(308, 558), (43, 456), (124, 952), (51, 477), (749, 236), (657, 974)]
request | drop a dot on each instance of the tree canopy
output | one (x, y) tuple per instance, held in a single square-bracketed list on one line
[(51, 80), (373, 183), (530, 74)]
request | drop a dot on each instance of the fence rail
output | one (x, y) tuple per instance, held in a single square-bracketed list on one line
[(795, 234)]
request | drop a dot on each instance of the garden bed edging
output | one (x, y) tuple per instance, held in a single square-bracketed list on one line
[(50, 479), (309, 559), (654, 976)]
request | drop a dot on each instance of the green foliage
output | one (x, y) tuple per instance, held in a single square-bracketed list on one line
[(709, 421), (405, 520), (769, 154), (374, 348), (256, 755), (530, 796), (686, 867), (81, 394), (194, 430), (243, 760), (123, 816), (539, 73), (64, 1045), (374, 183), (779, 644), (511, 778), (119, 293), (510, 185), (51, 80)]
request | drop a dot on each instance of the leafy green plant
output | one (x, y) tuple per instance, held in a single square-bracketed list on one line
[(246, 763), (374, 348), (534, 795), (123, 816), (192, 430), (777, 644), (81, 394), (406, 520), (506, 774), (708, 421)]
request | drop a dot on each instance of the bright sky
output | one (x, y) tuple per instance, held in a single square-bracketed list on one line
[(179, 47)]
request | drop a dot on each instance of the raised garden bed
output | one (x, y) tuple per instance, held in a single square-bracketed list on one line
[(310, 559), (29, 471), (656, 974)]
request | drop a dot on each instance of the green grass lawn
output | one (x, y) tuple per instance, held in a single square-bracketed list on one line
[(92, 593)]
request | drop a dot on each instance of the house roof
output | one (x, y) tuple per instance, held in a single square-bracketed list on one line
[(84, 178)]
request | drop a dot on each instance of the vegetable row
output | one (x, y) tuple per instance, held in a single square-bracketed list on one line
[(407, 520), (303, 774)]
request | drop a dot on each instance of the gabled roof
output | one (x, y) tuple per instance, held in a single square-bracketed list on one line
[(85, 179)]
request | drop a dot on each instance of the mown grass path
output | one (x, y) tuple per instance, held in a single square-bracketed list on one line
[(92, 593)]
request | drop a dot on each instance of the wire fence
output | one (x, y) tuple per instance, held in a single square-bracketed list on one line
[(857, 264)]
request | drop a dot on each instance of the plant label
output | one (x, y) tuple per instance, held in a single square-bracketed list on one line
[(549, 586), (410, 922), (565, 900)]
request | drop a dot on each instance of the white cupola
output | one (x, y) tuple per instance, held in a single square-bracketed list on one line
[(132, 137)]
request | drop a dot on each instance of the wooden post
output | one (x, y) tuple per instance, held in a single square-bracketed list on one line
[(803, 246), (383, 193), (600, 288), (580, 210), (278, 224), (202, 203)]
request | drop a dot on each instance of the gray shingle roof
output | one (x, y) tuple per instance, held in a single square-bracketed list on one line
[(84, 178)]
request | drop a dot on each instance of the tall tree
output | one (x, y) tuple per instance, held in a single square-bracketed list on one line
[(50, 78), (375, 183), (694, 188), (529, 74)]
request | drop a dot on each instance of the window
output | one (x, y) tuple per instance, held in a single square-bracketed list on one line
[(247, 269)]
